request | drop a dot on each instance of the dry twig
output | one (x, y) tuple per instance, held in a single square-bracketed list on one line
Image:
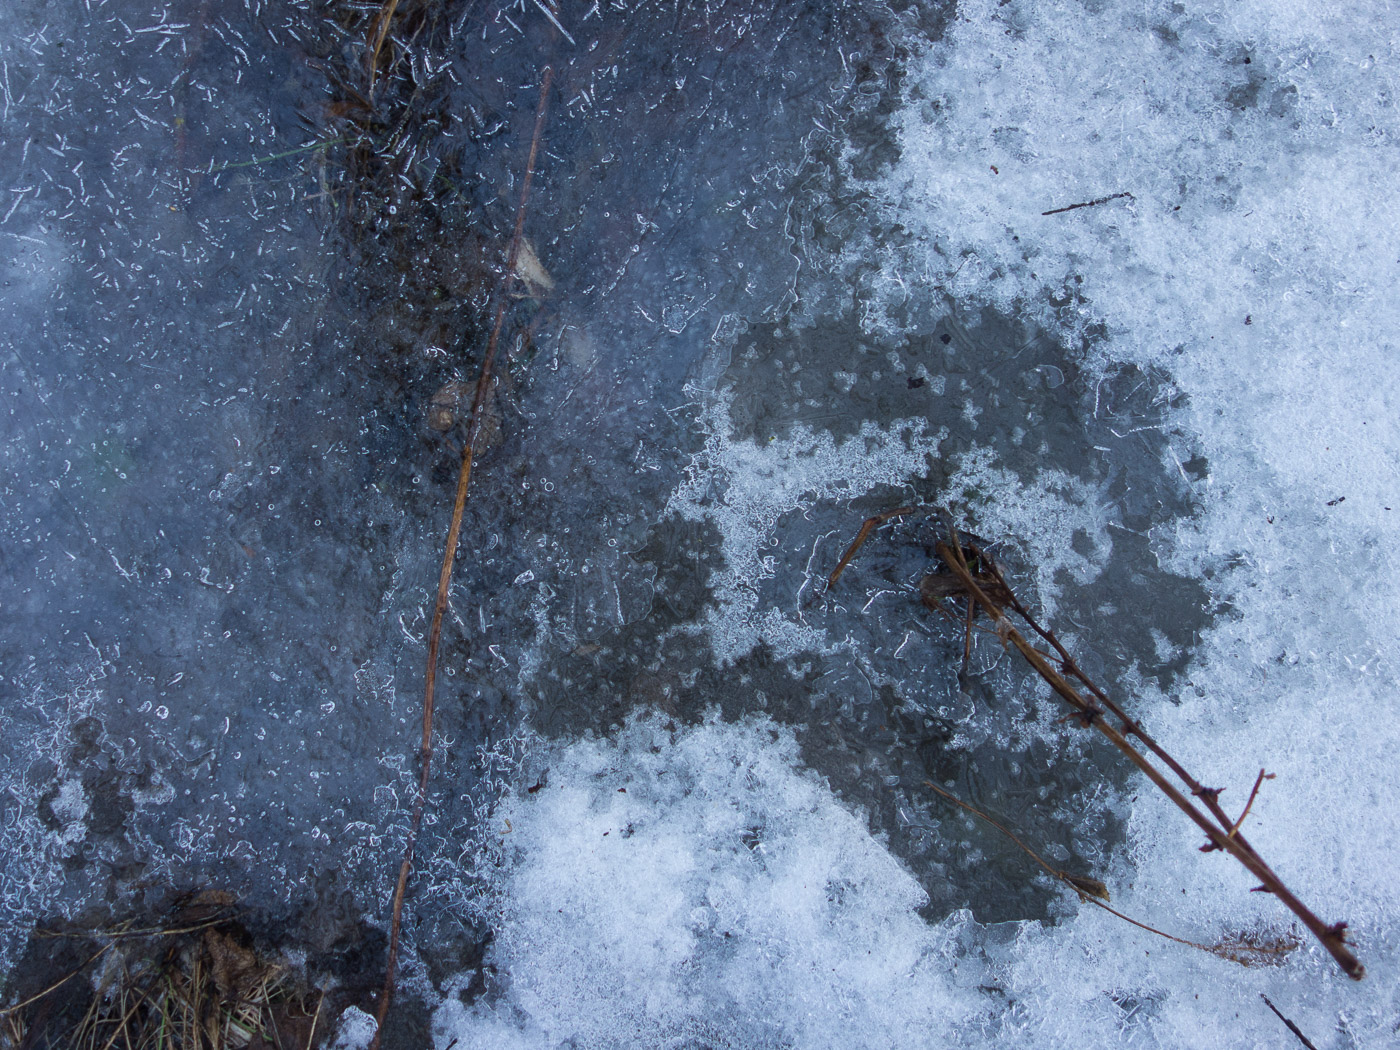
[(483, 386), (988, 589), (1291, 1026), (1089, 204), (374, 43), (867, 527), (1239, 949)]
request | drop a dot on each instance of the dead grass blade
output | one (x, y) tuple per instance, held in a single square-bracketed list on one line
[(866, 528), (197, 987), (9, 1010), (1237, 949), (374, 43)]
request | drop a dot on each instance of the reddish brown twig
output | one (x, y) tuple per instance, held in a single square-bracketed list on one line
[(1253, 794), (1000, 591), (866, 528), (1222, 833), (483, 386)]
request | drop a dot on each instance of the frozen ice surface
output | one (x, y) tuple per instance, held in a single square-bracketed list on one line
[(1254, 262), (1046, 516), (186, 416), (187, 595), (745, 486)]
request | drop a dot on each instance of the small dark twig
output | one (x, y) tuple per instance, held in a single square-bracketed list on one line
[(1233, 829), (1253, 794), (866, 528), (1089, 204), (1291, 1026)]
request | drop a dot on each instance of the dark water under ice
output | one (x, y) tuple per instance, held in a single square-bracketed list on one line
[(231, 291)]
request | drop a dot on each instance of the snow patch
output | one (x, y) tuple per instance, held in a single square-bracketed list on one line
[(745, 487), (685, 887)]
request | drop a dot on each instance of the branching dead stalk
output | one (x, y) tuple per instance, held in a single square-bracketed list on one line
[(483, 387), (972, 574)]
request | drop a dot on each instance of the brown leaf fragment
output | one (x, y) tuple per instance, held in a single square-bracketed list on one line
[(445, 406), (1086, 886), (532, 272), (236, 967)]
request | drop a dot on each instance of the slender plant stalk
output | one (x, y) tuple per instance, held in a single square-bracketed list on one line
[(483, 387), (1291, 1026), (57, 984), (1096, 893), (866, 528), (311, 1035), (1084, 887), (1221, 832)]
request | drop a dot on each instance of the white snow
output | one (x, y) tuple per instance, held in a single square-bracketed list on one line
[(697, 887)]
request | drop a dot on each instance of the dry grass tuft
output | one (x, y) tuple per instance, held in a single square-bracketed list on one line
[(196, 983)]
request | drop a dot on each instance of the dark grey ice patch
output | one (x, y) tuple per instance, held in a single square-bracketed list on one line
[(217, 467)]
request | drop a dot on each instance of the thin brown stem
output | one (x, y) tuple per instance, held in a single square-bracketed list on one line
[(1054, 872), (1289, 1024), (1085, 892), (483, 386), (378, 31), (311, 1036), (57, 984), (1253, 794), (1131, 727), (866, 528)]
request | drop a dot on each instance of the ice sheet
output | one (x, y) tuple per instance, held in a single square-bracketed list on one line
[(1254, 261)]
